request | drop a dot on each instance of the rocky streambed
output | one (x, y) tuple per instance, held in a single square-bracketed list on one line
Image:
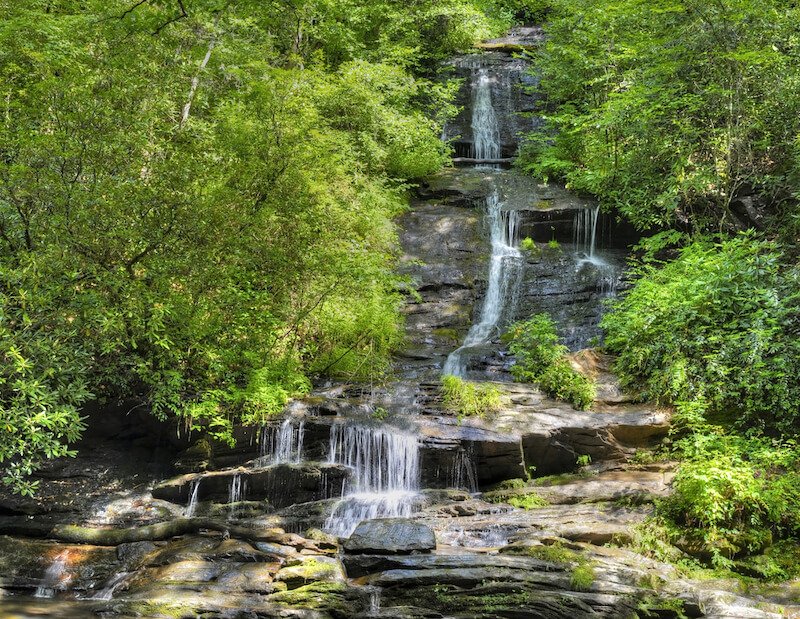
[(372, 500)]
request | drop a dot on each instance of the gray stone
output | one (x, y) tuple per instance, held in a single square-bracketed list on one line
[(391, 536)]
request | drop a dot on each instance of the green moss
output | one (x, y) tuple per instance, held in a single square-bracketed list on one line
[(521, 498), (582, 576), (452, 335), (652, 607), (510, 484), (551, 553), (161, 610), (322, 596), (560, 479)]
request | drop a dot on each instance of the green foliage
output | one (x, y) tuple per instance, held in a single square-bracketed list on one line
[(528, 245), (468, 399), (541, 359), (530, 500), (582, 569), (198, 212), (714, 332), (735, 495), (671, 110), (582, 576)]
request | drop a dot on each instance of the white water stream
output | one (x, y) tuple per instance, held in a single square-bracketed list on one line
[(505, 263), (385, 475), (54, 576)]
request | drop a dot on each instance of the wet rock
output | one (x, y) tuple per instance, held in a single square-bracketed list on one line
[(633, 486), (133, 554), (390, 536), (24, 564), (251, 578), (318, 600), (281, 485)]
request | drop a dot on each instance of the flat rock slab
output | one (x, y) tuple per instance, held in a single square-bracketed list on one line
[(390, 536)]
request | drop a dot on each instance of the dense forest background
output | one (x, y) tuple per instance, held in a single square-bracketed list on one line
[(197, 202)]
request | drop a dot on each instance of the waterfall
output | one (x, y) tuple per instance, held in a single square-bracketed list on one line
[(53, 576), (505, 267), (586, 230), (385, 475), (237, 492), (194, 489), (281, 444), (485, 130)]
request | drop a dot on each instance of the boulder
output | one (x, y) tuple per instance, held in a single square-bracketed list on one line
[(390, 536)]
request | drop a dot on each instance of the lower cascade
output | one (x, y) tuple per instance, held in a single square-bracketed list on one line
[(385, 475)]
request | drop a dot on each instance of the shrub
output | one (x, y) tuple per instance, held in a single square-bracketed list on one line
[(467, 398), (715, 330), (541, 359), (734, 495)]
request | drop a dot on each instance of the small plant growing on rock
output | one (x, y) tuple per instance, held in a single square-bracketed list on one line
[(540, 358), (582, 576), (529, 246), (380, 413), (468, 399)]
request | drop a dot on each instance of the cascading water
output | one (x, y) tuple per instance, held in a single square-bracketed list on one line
[(385, 475), (586, 231), (485, 130), (107, 592), (194, 489), (505, 267), (237, 492), (506, 260), (463, 473), (53, 576), (282, 444)]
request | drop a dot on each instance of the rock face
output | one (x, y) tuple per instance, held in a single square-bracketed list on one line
[(390, 536)]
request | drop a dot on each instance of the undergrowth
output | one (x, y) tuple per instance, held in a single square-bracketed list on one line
[(540, 358), (468, 399)]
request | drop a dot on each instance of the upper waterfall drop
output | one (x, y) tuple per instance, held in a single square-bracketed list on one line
[(505, 261), (485, 129)]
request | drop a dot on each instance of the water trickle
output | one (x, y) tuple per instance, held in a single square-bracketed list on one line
[(505, 269), (374, 600), (191, 507), (281, 444), (107, 592), (463, 473), (53, 576), (385, 475), (237, 492), (586, 230)]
